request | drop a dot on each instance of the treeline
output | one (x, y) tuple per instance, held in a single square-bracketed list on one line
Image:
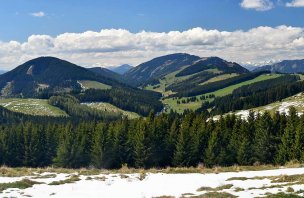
[(129, 99), (213, 86), (192, 81), (155, 141), (73, 108), (212, 63), (255, 95)]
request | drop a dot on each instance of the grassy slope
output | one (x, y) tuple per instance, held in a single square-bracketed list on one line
[(171, 79), (222, 92), (109, 107), (283, 106), (87, 84), (219, 78), (32, 107)]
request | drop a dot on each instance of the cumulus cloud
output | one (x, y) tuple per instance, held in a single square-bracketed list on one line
[(118, 46), (38, 14), (295, 3), (258, 5)]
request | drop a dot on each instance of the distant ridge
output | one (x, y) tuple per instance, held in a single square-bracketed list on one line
[(285, 66), (122, 69)]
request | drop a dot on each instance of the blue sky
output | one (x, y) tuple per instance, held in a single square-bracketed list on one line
[(135, 15), (21, 20)]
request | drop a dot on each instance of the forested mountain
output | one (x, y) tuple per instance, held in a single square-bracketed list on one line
[(2, 72), (181, 65), (122, 69), (159, 67), (47, 73), (286, 66)]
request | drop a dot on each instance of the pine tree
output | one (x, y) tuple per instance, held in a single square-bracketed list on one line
[(299, 141), (286, 148), (263, 140), (63, 157), (140, 151), (99, 139)]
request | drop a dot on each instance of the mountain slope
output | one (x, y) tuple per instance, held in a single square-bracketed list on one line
[(47, 73), (122, 69), (2, 72), (179, 69), (159, 67), (286, 66)]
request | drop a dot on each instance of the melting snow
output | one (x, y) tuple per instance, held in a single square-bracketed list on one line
[(153, 185)]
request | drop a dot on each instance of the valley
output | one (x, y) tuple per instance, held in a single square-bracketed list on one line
[(151, 124), (152, 99)]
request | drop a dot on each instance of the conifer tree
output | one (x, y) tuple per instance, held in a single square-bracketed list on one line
[(99, 139), (286, 148), (263, 140)]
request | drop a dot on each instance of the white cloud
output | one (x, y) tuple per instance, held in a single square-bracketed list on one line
[(38, 14), (259, 5), (118, 46), (295, 3)]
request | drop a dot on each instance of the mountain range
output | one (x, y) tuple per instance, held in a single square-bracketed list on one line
[(167, 77), (286, 66), (122, 69)]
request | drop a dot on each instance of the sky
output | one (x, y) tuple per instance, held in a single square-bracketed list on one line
[(114, 32)]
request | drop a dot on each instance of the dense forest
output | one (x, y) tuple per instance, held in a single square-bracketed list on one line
[(155, 141), (213, 86), (130, 99), (255, 95)]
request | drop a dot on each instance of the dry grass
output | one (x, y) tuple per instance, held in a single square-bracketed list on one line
[(23, 184), (215, 195), (17, 172), (219, 188), (72, 179)]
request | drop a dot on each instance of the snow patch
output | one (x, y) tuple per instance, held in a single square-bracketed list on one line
[(153, 185)]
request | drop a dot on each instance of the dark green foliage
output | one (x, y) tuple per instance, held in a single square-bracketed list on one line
[(58, 74), (192, 82), (158, 67), (130, 99), (213, 63), (210, 87), (154, 141), (73, 107), (255, 95)]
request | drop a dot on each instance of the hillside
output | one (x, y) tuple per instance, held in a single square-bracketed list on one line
[(286, 66), (283, 106), (36, 107), (47, 73), (178, 72), (159, 67)]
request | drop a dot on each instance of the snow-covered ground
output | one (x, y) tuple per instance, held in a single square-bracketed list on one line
[(155, 184)]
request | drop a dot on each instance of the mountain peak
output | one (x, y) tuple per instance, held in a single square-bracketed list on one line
[(54, 73)]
